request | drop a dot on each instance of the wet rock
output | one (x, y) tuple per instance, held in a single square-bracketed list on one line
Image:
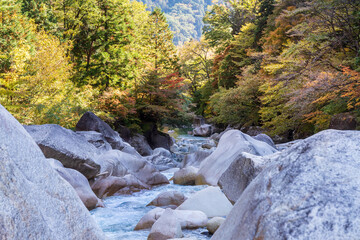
[(157, 139), (309, 191), (185, 176), (36, 203), (90, 122), (167, 226), (71, 149), (240, 173), (230, 147), (214, 223), (168, 198), (79, 182), (210, 200)]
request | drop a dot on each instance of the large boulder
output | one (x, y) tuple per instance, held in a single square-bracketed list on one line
[(140, 143), (90, 122), (79, 183), (167, 226), (117, 163), (204, 130), (230, 147), (162, 159), (170, 198), (240, 173), (149, 218), (71, 149), (210, 200), (36, 203), (185, 176), (309, 191)]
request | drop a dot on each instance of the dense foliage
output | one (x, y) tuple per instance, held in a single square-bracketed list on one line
[(286, 65), (62, 58)]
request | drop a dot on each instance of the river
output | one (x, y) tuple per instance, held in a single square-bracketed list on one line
[(122, 213)]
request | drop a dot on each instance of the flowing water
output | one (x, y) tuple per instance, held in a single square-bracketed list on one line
[(122, 213)]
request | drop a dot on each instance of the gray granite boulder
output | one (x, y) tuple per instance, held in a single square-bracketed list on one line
[(194, 159), (36, 203), (96, 139), (204, 130), (167, 226), (79, 182), (214, 223), (230, 147), (162, 159), (240, 173), (71, 149), (140, 143), (265, 138), (309, 191), (90, 122), (185, 176)]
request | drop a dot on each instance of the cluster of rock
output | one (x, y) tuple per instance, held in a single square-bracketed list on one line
[(305, 189)]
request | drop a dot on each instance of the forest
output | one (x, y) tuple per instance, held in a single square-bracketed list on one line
[(288, 66)]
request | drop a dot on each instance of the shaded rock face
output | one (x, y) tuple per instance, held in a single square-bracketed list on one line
[(90, 122), (71, 149), (79, 183), (140, 143), (239, 175), (230, 147), (343, 121), (309, 191), (166, 227), (157, 139), (210, 200), (185, 176), (36, 203)]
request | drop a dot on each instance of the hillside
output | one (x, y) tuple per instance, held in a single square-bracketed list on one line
[(184, 17)]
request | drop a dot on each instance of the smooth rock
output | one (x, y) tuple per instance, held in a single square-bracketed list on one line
[(230, 147), (214, 223), (265, 138), (36, 203), (240, 173), (309, 191), (71, 149), (149, 219), (167, 226), (168, 198), (79, 182), (90, 122), (130, 150), (140, 143), (185, 176), (108, 186), (210, 200)]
